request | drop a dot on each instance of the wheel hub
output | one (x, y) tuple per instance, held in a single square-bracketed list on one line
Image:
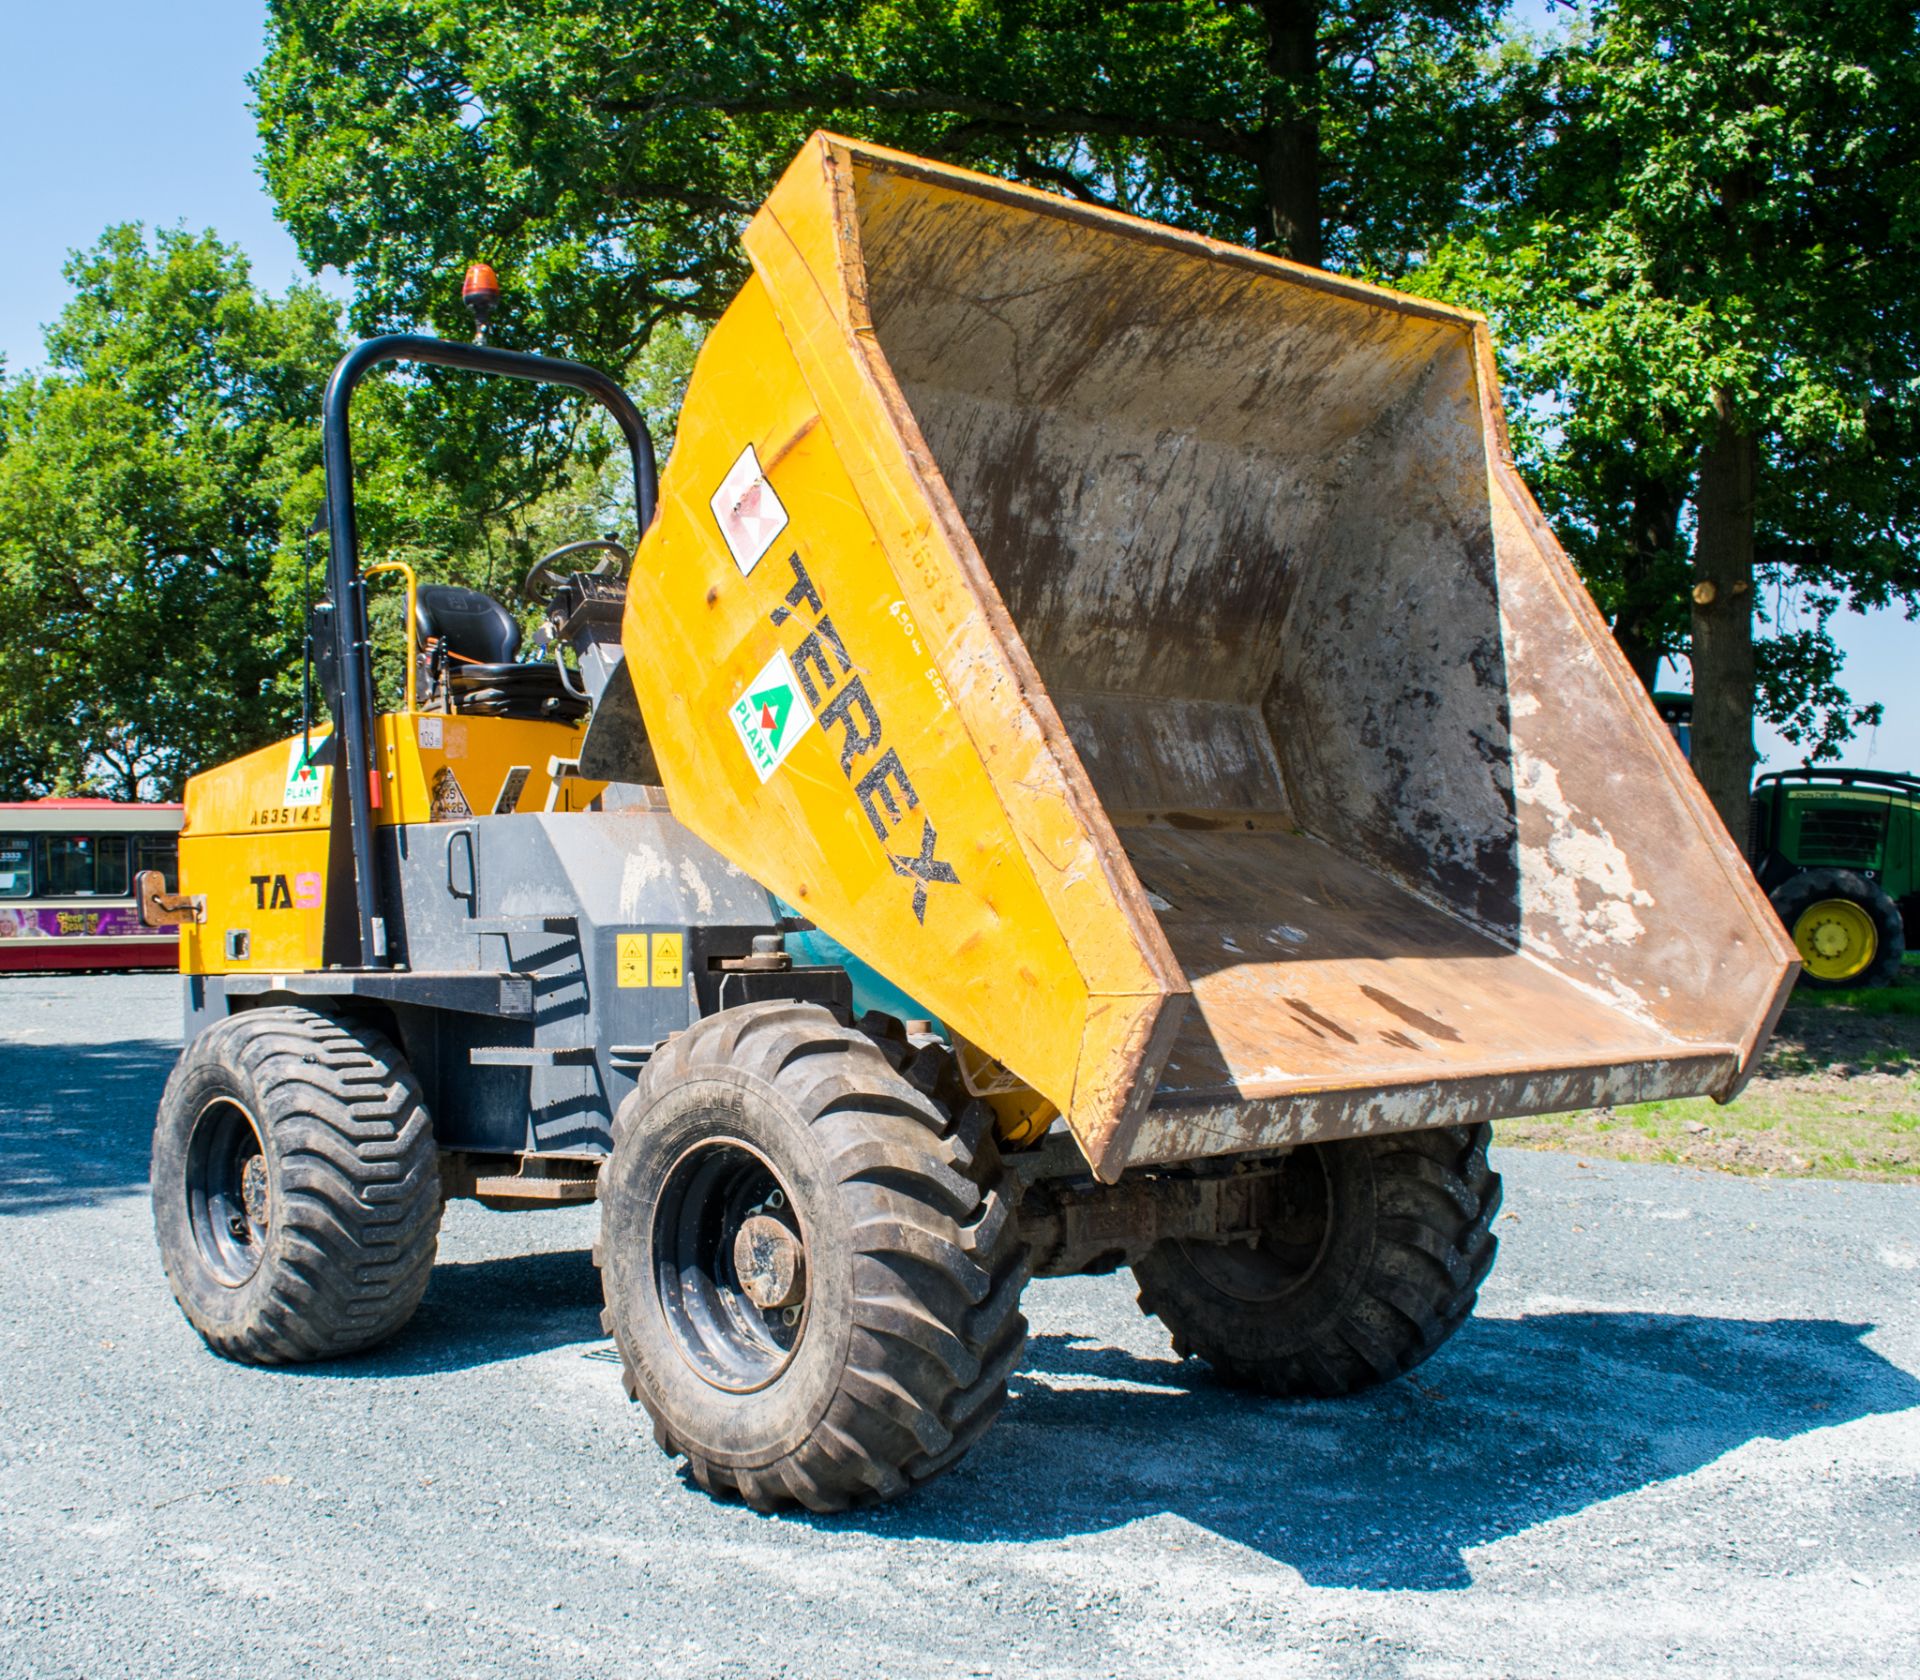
[(1295, 1222), (770, 1262), (253, 1191), (229, 1196), (730, 1260), (1836, 938)]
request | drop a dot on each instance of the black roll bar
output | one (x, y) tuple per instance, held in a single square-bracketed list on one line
[(354, 758)]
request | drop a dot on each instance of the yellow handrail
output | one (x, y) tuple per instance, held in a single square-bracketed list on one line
[(412, 634)]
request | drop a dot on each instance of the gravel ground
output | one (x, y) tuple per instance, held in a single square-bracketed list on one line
[(1682, 1436)]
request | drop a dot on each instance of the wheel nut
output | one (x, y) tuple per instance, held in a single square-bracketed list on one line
[(769, 1262)]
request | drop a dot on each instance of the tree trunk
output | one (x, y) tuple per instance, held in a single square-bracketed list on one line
[(1289, 162), (1723, 678), (1646, 580)]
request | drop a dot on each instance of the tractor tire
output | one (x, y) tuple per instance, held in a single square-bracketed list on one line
[(1846, 927), (296, 1187), (1370, 1261), (810, 1262)]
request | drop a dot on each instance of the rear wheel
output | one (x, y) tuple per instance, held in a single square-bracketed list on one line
[(810, 1264), (296, 1191), (1369, 1257), (1846, 927)]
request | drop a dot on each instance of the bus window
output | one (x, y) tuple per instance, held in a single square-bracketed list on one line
[(84, 866), (156, 851), (16, 866)]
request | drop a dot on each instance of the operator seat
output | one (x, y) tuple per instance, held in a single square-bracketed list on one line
[(468, 649)]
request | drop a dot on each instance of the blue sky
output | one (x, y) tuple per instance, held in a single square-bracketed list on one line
[(125, 110), (132, 110)]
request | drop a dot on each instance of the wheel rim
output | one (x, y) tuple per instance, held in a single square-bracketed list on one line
[(1295, 1228), (1836, 939), (730, 1265), (229, 1194)]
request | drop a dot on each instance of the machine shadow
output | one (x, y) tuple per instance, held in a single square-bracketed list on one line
[(76, 1120), (1518, 1422), (481, 1312)]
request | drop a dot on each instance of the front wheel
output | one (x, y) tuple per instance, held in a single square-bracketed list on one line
[(1846, 927), (1369, 1255), (810, 1263), (296, 1191)]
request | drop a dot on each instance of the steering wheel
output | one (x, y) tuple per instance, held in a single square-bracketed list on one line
[(546, 572)]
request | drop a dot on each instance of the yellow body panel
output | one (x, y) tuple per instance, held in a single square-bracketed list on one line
[(1009, 544), (254, 843), (939, 824)]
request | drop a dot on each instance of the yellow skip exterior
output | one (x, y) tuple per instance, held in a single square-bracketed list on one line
[(928, 811), (1418, 845)]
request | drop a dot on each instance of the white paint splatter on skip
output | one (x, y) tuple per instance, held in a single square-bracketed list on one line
[(1574, 856)]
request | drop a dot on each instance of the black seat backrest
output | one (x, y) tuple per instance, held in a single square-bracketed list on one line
[(475, 627)]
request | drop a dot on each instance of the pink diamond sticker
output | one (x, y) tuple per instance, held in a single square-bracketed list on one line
[(748, 512)]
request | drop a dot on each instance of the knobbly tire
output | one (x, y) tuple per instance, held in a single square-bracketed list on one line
[(296, 1189), (809, 1256), (1869, 919), (1369, 1259)]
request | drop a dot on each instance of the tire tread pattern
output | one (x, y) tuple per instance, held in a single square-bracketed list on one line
[(938, 1264), (1435, 1201), (357, 1212)]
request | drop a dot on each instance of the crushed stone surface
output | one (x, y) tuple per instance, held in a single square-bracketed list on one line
[(1681, 1436)]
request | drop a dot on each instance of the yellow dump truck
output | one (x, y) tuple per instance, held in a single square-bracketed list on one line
[(1095, 759)]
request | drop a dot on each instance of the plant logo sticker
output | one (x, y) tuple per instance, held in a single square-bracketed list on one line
[(306, 782), (750, 515), (771, 715)]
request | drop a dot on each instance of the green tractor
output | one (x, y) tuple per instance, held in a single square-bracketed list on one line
[(1838, 852)]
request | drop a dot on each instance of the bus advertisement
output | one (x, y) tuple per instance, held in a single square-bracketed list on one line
[(67, 873)]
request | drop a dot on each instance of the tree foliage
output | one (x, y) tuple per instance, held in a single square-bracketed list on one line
[(157, 482), (140, 486), (605, 153), (605, 157), (1704, 286), (1693, 222)]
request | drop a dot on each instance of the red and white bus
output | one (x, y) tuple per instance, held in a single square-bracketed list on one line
[(67, 872)]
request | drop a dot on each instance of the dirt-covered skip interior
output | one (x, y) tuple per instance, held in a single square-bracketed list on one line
[(1320, 669)]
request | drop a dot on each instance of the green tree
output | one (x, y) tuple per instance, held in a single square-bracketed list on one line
[(140, 488), (1705, 291), (605, 156), (605, 153)]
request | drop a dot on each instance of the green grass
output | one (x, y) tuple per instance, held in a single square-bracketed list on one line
[(1805, 1135), (1835, 1099)]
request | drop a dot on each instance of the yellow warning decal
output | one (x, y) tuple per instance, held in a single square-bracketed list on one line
[(649, 959)]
